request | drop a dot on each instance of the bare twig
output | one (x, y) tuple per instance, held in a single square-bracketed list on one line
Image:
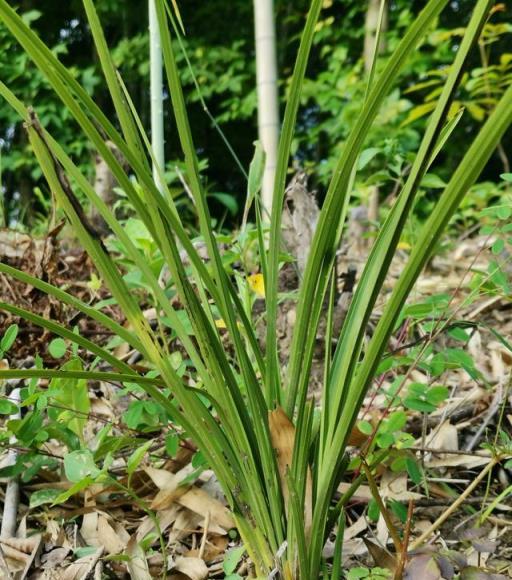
[(393, 532), (455, 505), (491, 412), (403, 554), (205, 534)]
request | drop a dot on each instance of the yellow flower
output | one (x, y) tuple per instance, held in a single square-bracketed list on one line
[(257, 284)]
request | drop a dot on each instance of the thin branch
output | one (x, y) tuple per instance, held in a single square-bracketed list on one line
[(393, 532), (455, 505)]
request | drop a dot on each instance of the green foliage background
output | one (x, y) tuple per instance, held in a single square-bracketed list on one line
[(220, 46)]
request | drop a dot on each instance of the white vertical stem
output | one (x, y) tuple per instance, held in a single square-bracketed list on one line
[(268, 102), (156, 91), (12, 489)]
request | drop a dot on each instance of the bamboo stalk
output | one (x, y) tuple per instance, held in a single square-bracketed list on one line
[(268, 101), (156, 92)]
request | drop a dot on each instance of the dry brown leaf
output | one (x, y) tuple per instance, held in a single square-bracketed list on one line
[(356, 528), (82, 567), (362, 494), (185, 524), (445, 436), (201, 502), (166, 497), (165, 519), (468, 398), (468, 461), (381, 557), (169, 485), (25, 545), (137, 564), (108, 537), (13, 244), (282, 433), (4, 568), (352, 548), (55, 557), (162, 478), (422, 566), (394, 486), (120, 530), (300, 216), (89, 528), (215, 545), (193, 568), (19, 553), (53, 534)]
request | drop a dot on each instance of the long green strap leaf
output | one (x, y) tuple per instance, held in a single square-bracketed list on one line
[(122, 109), (273, 375), (383, 250), (107, 377), (333, 213), (64, 332), (70, 300), (464, 177)]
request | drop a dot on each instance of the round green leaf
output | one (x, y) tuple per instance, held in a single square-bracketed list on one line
[(43, 496), (80, 464), (57, 347), (7, 407), (365, 427)]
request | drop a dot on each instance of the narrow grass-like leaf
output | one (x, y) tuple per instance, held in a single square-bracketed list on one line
[(463, 178), (334, 209), (70, 300), (64, 332), (108, 377), (273, 375), (120, 105), (383, 250)]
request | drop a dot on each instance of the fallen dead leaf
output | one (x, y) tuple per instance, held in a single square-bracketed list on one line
[(165, 519), (282, 433), (422, 566), (137, 564), (193, 568), (201, 502), (55, 557), (19, 553), (169, 486), (108, 537), (82, 567), (381, 556), (446, 436)]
